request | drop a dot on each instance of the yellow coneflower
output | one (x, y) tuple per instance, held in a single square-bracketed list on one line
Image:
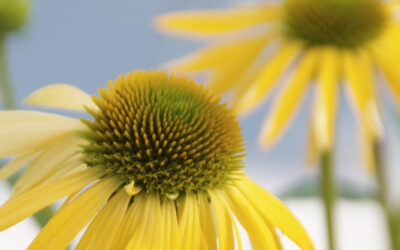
[(159, 166), (322, 40)]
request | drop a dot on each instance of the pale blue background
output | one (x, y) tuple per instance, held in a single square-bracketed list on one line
[(86, 43)]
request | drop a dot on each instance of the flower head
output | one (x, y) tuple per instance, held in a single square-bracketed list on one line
[(13, 15), (158, 166), (321, 41)]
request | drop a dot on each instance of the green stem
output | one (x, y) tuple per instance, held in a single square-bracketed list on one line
[(328, 196), (6, 91), (390, 216)]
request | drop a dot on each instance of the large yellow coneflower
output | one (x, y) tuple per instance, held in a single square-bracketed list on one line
[(159, 166), (326, 41), (317, 42)]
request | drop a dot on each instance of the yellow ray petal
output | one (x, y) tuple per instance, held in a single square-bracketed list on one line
[(206, 23), (207, 223), (59, 151), (326, 99), (237, 235), (259, 233), (28, 203), (312, 150), (276, 237), (388, 64), (62, 96), (16, 164), (23, 131), (275, 212), (170, 225), (394, 5), (129, 223), (69, 198), (189, 224), (66, 224), (266, 78), (226, 240), (358, 72), (148, 234), (289, 100), (221, 54), (71, 166), (103, 228)]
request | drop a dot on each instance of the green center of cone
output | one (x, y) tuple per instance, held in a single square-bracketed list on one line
[(342, 23)]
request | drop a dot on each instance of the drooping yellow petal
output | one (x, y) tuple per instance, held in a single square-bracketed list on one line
[(206, 23), (259, 233), (274, 212), (393, 5), (128, 225), (266, 78), (103, 228), (226, 240), (169, 225), (358, 72), (237, 235), (58, 152), (221, 54), (326, 99), (66, 224), (312, 149), (388, 65), (148, 234), (23, 131), (69, 199), (16, 164), (228, 64), (289, 100), (66, 168), (276, 237), (207, 223), (28, 203), (189, 224), (62, 96)]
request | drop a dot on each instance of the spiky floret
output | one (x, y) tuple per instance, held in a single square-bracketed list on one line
[(163, 133), (344, 23)]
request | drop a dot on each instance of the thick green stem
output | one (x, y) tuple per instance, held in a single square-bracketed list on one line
[(8, 100), (328, 196), (390, 215)]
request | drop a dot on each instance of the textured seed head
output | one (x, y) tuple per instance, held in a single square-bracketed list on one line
[(163, 133), (13, 15), (343, 23)]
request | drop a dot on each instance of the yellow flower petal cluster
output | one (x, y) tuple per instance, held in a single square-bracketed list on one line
[(329, 44), (116, 173)]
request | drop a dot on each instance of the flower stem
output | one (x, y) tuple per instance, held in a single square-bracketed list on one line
[(328, 196), (390, 215), (7, 97), (6, 89)]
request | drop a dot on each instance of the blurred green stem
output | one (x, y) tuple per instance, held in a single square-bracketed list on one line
[(328, 196), (6, 89), (7, 97), (390, 215)]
